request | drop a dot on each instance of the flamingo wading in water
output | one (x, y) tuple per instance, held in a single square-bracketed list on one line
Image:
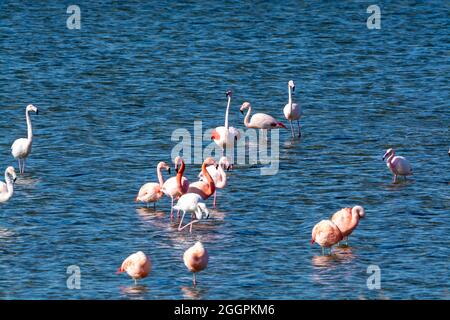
[(137, 266), (7, 187), (151, 192), (196, 259), (259, 120), (176, 186), (205, 189), (347, 220), (218, 174), (21, 148), (226, 135), (190, 202), (292, 111), (326, 233), (398, 165)]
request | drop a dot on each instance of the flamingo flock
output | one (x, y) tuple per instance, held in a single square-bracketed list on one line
[(191, 197)]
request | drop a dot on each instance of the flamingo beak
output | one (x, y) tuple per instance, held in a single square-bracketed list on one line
[(242, 112), (15, 179), (37, 111), (312, 241), (168, 170), (119, 271)]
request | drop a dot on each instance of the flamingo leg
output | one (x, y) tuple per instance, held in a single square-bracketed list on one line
[(194, 279), (171, 209), (181, 221), (323, 251), (23, 165), (292, 128), (135, 282), (154, 205), (214, 204), (299, 131), (395, 178)]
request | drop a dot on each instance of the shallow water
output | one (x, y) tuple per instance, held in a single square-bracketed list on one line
[(111, 94)]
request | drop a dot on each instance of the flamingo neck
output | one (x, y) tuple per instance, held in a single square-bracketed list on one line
[(29, 127), (390, 158), (211, 185), (160, 176), (290, 97), (222, 179), (9, 186), (180, 176), (247, 117), (226, 113)]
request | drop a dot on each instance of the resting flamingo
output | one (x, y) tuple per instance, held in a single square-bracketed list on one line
[(292, 111), (326, 234), (205, 189), (137, 266), (347, 220), (190, 202), (399, 166), (7, 187), (21, 148), (151, 192), (176, 186), (259, 120), (218, 174), (226, 135), (196, 259)]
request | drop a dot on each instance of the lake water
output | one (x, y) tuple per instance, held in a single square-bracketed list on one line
[(111, 94)]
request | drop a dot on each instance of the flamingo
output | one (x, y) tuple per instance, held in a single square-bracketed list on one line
[(347, 220), (21, 148), (326, 234), (137, 266), (190, 202), (196, 259), (176, 186), (398, 165), (205, 189), (259, 120), (219, 176), (225, 135), (7, 189), (292, 111), (151, 192)]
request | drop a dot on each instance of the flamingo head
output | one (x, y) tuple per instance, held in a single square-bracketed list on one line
[(177, 162), (229, 93), (163, 165), (388, 153), (291, 85), (12, 173), (209, 162), (30, 107), (224, 163), (244, 106)]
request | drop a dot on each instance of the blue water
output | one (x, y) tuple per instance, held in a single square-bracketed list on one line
[(111, 94)]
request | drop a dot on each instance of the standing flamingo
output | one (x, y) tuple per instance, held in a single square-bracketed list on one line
[(259, 120), (205, 189), (292, 111), (399, 166), (7, 189), (226, 135), (326, 234), (218, 174), (176, 186), (137, 266), (347, 220), (190, 202), (151, 192), (196, 259), (21, 148)]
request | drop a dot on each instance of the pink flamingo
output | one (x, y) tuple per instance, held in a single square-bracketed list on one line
[(190, 202), (137, 266), (225, 135), (7, 187), (176, 186), (218, 174), (326, 234), (347, 220), (259, 120), (151, 192), (399, 166), (204, 189), (196, 259), (292, 111)]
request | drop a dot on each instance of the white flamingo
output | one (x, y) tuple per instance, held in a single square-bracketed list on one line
[(21, 148), (225, 135), (190, 202), (292, 111), (7, 189), (398, 165), (218, 174)]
